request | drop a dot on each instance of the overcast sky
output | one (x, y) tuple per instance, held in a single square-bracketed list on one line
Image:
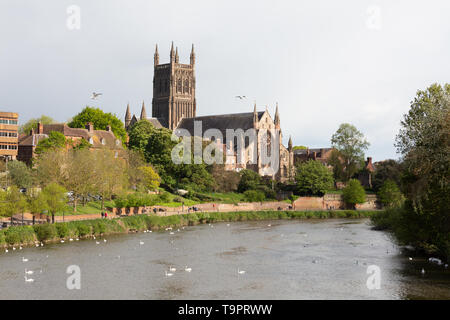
[(324, 62)]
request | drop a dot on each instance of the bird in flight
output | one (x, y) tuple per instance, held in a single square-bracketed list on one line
[(241, 97), (95, 95)]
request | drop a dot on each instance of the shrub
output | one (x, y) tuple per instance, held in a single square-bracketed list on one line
[(254, 195), (45, 231), (22, 234), (354, 193), (2, 237), (62, 230)]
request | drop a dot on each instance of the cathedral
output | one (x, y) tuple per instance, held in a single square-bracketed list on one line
[(174, 107)]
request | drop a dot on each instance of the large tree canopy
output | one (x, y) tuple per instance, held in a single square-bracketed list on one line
[(100, 120), (313, 178), (351, 145)]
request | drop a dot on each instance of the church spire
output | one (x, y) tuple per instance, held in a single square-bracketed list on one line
[(156, 57), (277, 118), (192, 56), (172, 53), (177, 58), (290, 144), (127, 116), (143, 113), (255, 115)]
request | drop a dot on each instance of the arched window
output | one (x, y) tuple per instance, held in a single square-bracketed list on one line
[(103, 141), (91, 140)]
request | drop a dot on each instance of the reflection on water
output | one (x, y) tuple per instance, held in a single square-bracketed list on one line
[(318, 259)]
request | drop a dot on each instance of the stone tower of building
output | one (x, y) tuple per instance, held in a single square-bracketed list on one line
[(173, 89)]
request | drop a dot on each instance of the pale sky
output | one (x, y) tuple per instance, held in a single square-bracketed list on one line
[(324, 62)]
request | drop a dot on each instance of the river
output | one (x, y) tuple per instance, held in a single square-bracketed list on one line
[(290, 259)]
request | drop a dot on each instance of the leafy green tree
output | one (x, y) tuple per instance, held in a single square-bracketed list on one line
[(100, 121), (139, 134), (37, 204), (299, 148), (250, 180), (56, 199), (354, 193), (55, 140), (387, 170), (157, 145), (15, 202), (313, 178), (51, 167), (19, 174), (390, 195), (351, 145), (424, 142), (150, 178), (33, 123)]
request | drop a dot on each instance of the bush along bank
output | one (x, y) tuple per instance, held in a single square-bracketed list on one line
[(30, 235)]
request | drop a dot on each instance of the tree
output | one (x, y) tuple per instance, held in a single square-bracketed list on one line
[(55, 140), (250, 180), (109, 173), (139, 134), (19, 174), (389, 195), (299, 148), (313, 178), (56, 199), (37, 204), (100, 120), (150, 178), (33, 123), (135, 160), (387, 170), (51, 167), (225, 181), (354, 193), (424, 142), (351, 145), (15, 202)]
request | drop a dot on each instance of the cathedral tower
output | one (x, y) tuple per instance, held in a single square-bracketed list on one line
[(173, 89)]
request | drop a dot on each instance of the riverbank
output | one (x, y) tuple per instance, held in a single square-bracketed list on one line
[(46, 233)]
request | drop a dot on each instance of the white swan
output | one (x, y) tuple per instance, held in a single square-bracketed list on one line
[(410, 259), (241, 271), (141, 242), (187, 269), (70, 239), (423, 271), (6, 251), (20, 248), (269, 225), (168, 274), (29, 271), (24, 260), (14, 248), (172, 269), (28, 280), (62, 241), (104, 240), (96, 242), (171, 233)]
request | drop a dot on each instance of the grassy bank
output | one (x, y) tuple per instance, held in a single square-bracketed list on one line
[(27, 235)]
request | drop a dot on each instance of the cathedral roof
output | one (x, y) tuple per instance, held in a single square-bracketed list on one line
[(222, 122)]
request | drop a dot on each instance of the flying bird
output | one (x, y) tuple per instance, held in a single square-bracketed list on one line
[(241, 97), (95, 95)]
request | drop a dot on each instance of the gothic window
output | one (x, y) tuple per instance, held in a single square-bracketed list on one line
[(179, 84), (269, 142), (186, 86)]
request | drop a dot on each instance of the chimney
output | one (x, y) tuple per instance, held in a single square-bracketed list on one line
[(31, 131), (40, 127), (108, 128), (90, 127), (314, 155), (369, 160)]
